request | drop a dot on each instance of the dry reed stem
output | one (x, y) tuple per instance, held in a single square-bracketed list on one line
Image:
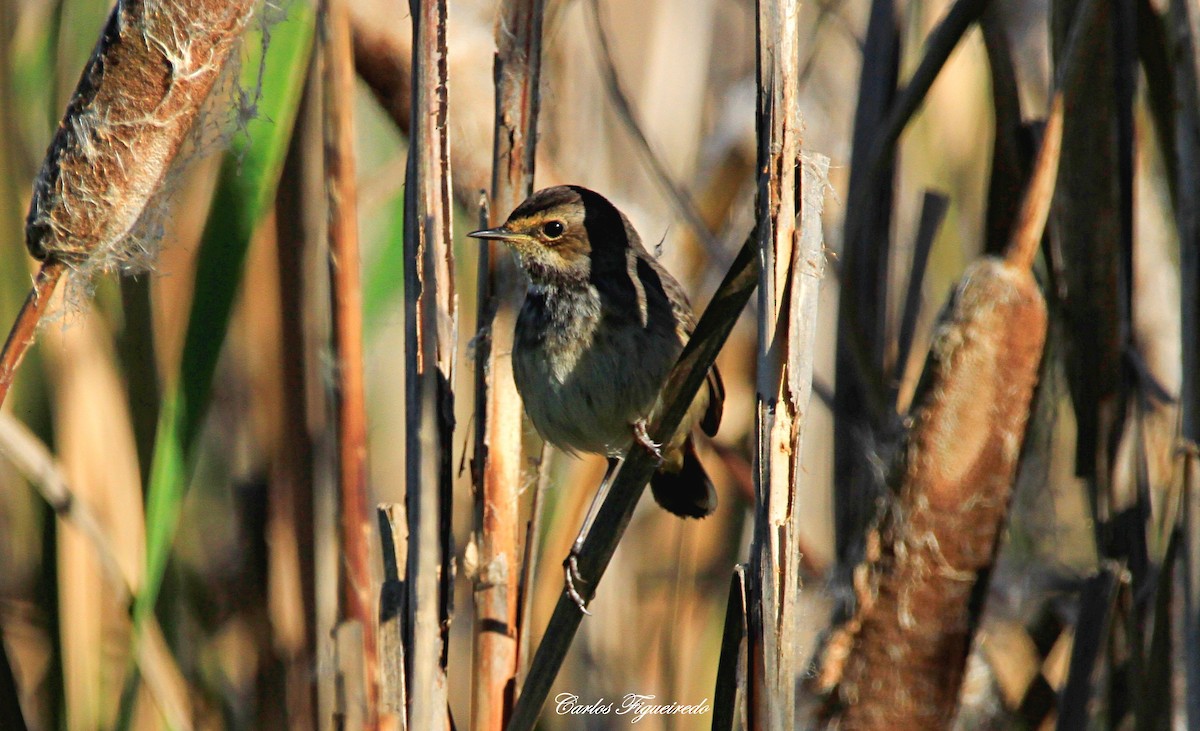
[(299, 236), (1087, 227), (392, 695), (500, 423), (789, 281), (132, 111), (36, 463), (430, 339), (24, 328), (679, 198), (1031, 218), (1183, 21), (357, 595)]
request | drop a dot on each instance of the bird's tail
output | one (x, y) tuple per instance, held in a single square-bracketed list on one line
[(687, 491)]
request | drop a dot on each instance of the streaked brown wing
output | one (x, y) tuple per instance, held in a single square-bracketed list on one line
[(685, 323)]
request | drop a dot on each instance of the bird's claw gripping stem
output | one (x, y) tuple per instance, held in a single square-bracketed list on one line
[(642, 437), (571, 571)]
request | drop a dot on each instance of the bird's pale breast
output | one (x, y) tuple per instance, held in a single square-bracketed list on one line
[(584, 376)]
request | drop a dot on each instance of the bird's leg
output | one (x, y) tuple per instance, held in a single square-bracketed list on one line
[(641, 436), (571, 564)]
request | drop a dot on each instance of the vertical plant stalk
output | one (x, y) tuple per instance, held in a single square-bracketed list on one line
[(862, 302), (899, 661), (1086, 226), (300, 240), (499, 416), (357, 597), (392, 695), (430, 336), (24, 329), (792, 264), (1183, 16)]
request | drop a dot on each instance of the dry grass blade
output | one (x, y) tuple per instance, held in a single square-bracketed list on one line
[(499, 416), (1011, 147), (300, 244), (1183, 18), (859, 402), (37, 464), (357, 597), (613, 517), (1092, 631), (941, 43)]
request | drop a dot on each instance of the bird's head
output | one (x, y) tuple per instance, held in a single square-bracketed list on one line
[(565, 233)]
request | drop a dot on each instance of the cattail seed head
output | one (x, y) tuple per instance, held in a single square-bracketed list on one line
[(134, 107)]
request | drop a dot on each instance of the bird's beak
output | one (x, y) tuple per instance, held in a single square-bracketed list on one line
[(497, 234)]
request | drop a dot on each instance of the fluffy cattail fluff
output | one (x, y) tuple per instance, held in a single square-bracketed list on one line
[(139, 95)]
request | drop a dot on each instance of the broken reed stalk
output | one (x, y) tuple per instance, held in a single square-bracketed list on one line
[(36, 463), (613, 517), (788, 283), (430, 337), (498, 469), (345, 289), (132, 111), (392, 694), (899, 661)]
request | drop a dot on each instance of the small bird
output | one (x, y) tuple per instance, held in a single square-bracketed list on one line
[(601, 326)]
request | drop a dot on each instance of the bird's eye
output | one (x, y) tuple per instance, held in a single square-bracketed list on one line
[(553, 229)]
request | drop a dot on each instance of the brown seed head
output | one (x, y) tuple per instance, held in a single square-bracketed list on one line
[(136, 101)]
